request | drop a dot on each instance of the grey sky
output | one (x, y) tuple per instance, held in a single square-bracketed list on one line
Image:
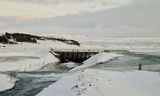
[(133, 19)]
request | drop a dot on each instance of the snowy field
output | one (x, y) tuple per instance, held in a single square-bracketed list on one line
[(25, 61), (130, 44), (44, 45)]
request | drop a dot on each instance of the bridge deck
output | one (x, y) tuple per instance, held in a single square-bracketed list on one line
[(75, 55)]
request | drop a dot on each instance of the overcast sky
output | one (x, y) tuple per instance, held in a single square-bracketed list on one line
[(111, 18)]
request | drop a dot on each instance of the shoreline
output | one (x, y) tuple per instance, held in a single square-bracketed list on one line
[(8, 79), (16, 83)]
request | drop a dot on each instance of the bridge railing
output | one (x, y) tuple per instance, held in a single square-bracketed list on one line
[(77, 50)]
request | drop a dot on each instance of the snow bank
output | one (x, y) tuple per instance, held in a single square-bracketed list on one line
[(95, 82), (99, 58), (6, 82), (28, 61), (63, 87), (70, 64)]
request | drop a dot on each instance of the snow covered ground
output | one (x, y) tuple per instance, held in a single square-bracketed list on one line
[(95, 82), (131, 44), (44, 45), (139, 44), (25, 61), (99, 58), (69, 64), (6, 82)]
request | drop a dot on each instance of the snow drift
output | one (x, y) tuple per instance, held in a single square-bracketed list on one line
[(29, 61), (99, 58), (95, 82), (7, 82)]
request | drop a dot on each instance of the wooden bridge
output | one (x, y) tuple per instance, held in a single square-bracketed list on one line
[(74, 55)]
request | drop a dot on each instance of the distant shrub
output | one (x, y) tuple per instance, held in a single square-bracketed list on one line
[(12, 38)]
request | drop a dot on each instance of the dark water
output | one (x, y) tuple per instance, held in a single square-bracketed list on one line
[(27, 87), (33, 82)]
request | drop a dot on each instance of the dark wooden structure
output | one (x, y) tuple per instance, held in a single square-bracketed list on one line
[(74, 55)]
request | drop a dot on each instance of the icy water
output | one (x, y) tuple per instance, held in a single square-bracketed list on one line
[(33, 82), (131, 61)]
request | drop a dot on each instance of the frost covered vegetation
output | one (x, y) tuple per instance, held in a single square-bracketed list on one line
[(13, 38)]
